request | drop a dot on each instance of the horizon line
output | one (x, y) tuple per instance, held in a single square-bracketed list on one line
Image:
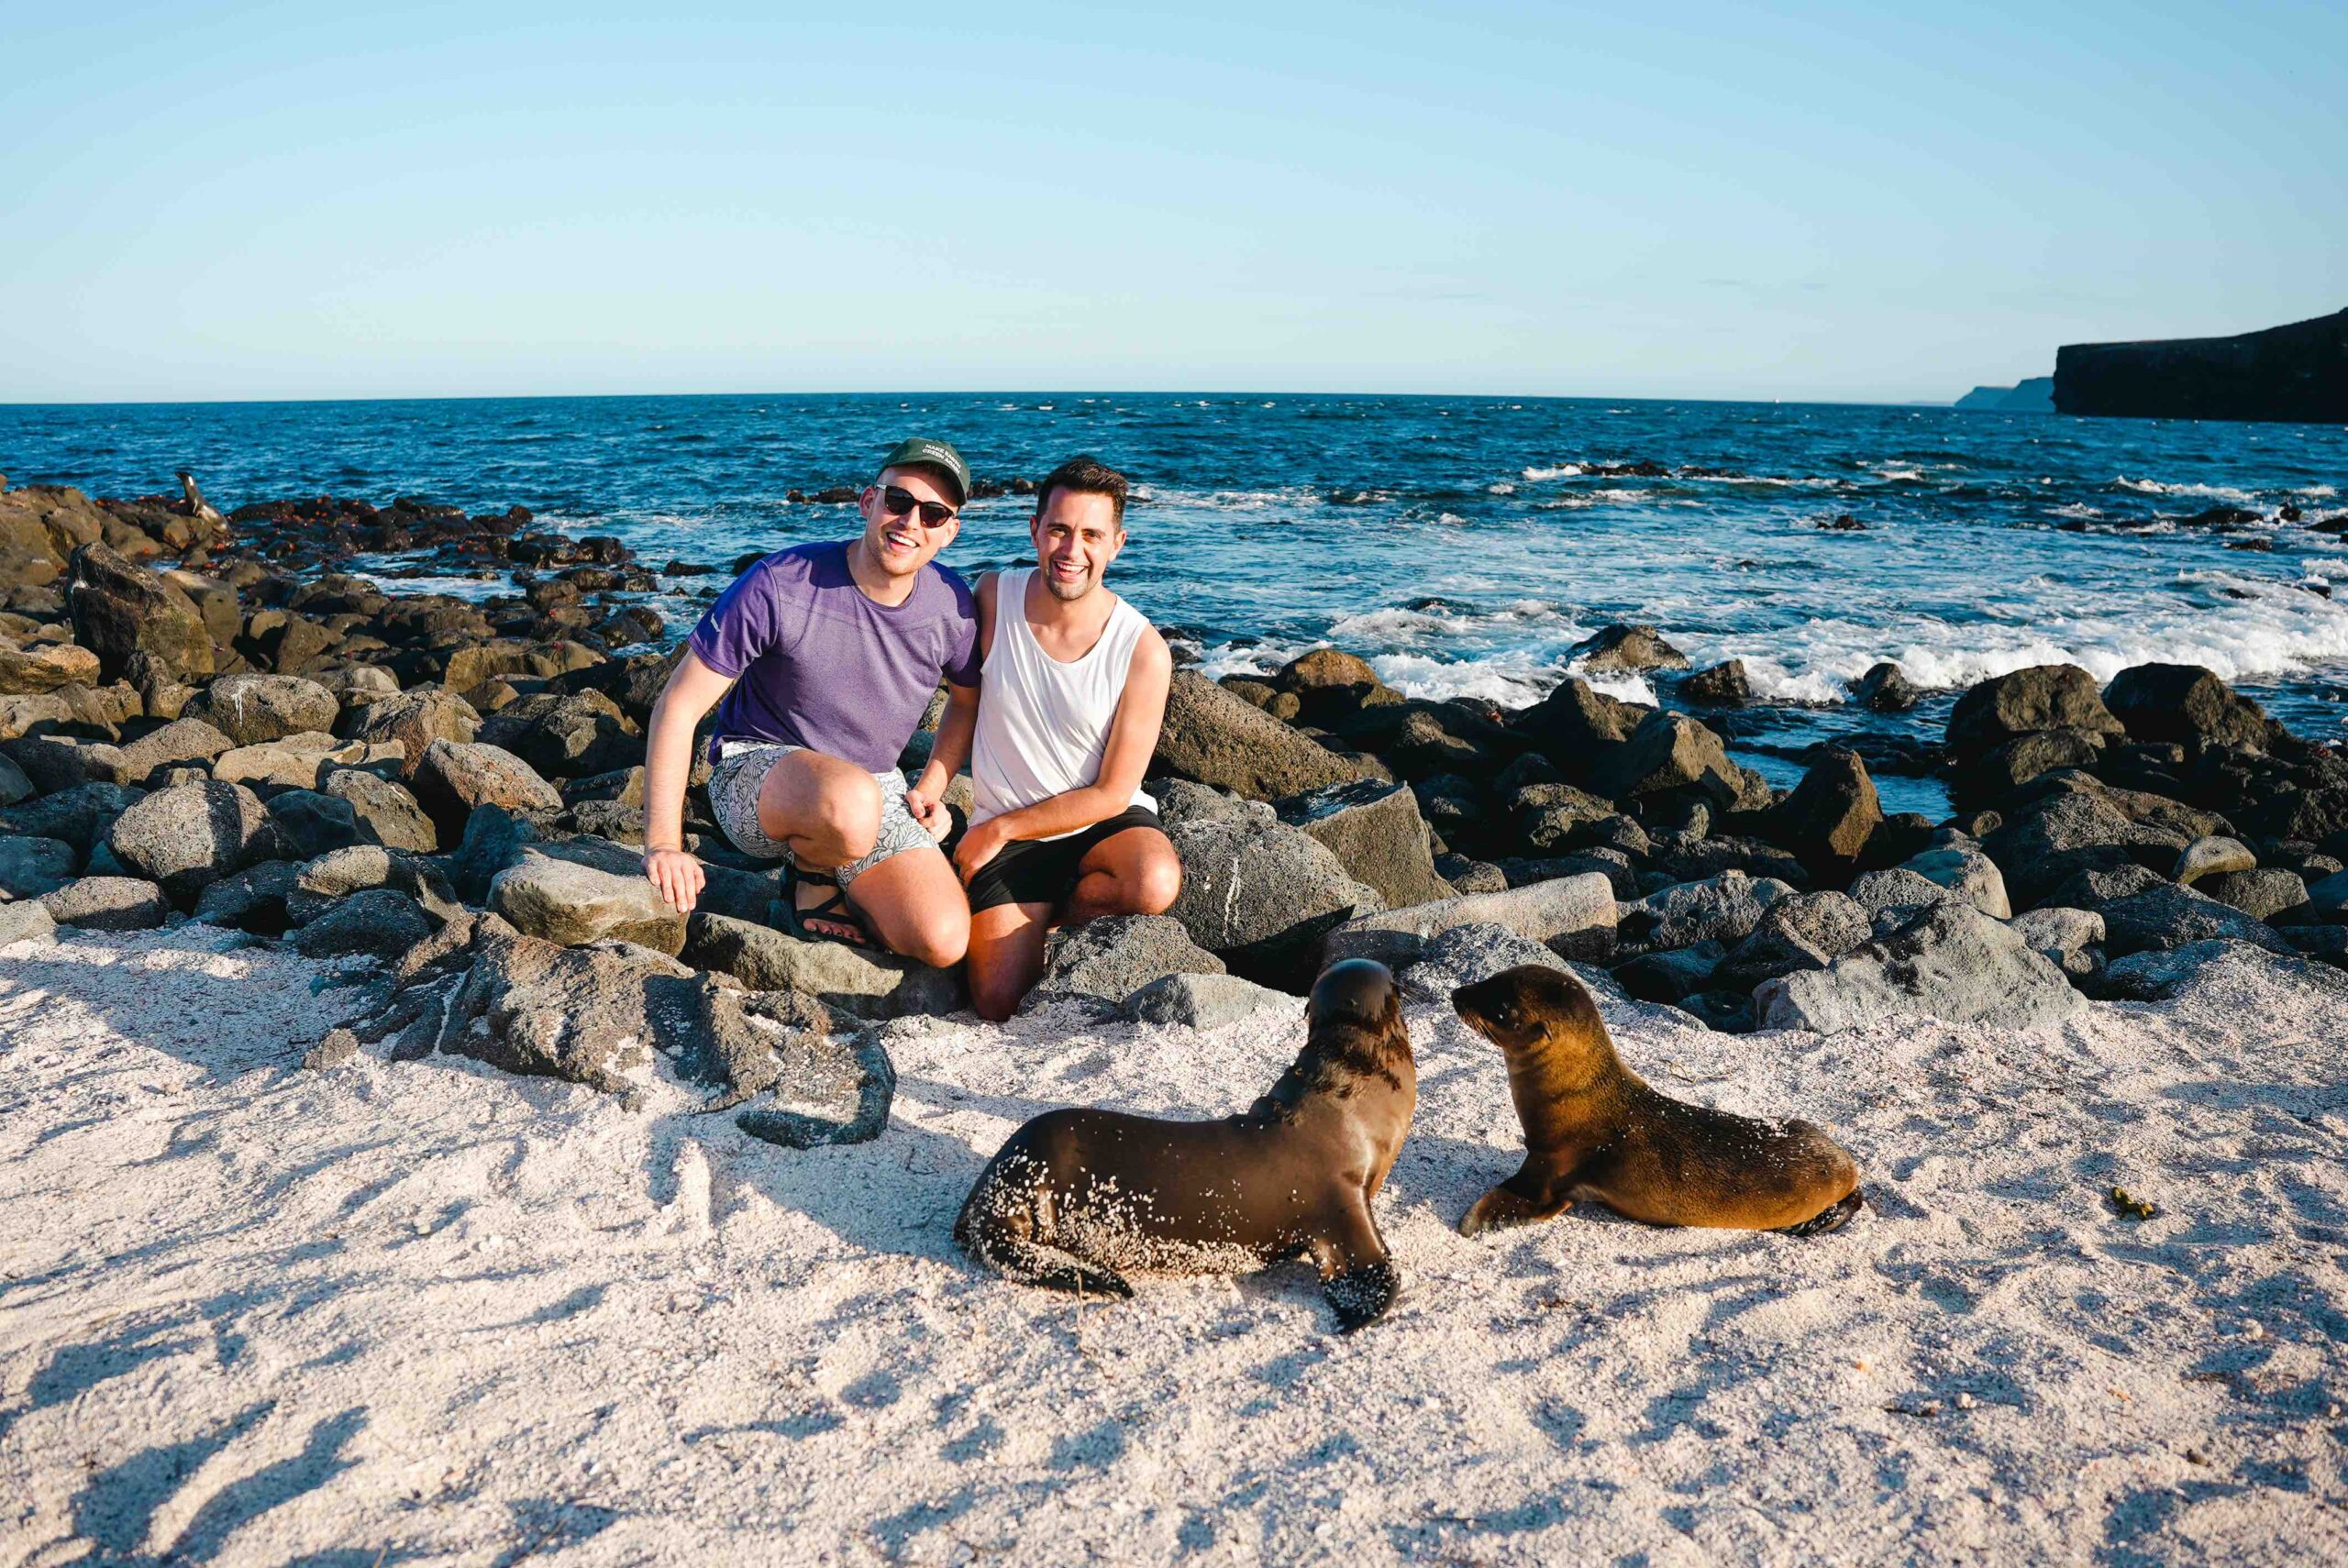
[(984, 392)]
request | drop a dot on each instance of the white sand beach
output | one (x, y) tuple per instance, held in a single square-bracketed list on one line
[(431, 1313)]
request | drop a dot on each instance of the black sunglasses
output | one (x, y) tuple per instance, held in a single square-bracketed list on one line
[(897, 501)]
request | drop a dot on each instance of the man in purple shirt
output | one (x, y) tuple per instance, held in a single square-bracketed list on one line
[(826, 655)]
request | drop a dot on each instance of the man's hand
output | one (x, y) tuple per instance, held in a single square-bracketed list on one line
[(677, 875), (931, 813), (979, 846)]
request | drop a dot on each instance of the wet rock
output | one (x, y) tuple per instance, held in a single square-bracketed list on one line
[(864, 982), (1573, 917), (2212, 856), (571, 905), (1621, 648), (2263, 894), (1203, 1001), (1805, 931), (1261, 895), (1214, 737), (414, 720), (1964, 871), (1827, 819), (1108, 960), (2186, 703), (80, 816), (1885, 688), (1727, 909), (2045, 697), (252, 710), (1720, 686), (119, 609), (34, 867), (1668, 751), (190, 835), (453, 779), (383, 811), (25, 920), (1950, 961), (379, 922), (1375, 831)]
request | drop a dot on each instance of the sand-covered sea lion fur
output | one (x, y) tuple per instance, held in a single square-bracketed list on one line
[(1595, 1131), (1075, 1199)]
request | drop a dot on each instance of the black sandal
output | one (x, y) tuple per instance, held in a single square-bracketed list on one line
[(834, 909)]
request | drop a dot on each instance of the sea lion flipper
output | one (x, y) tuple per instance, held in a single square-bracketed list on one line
[(1523, 1199), (1360, 1296)]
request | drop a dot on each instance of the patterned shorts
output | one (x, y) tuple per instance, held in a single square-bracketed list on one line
[(741, 773)]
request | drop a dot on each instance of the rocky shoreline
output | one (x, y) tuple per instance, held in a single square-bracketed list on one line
[(209, 717)]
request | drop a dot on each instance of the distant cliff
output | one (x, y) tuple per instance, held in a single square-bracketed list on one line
[(2299, 371), (2035, 395)]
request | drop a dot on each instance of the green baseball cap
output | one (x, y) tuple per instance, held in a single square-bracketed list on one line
[(920, 451)]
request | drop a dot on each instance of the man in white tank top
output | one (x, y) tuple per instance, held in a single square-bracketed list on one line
[(1071, 693)]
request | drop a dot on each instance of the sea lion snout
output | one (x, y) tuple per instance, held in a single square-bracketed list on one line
[(1515, 1007), (1355, 990)]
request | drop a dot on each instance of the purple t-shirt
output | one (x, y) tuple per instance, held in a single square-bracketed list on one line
[(816, 663)]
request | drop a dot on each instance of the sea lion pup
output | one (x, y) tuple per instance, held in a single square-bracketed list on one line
[(1076, 1197), (1595, 1131)]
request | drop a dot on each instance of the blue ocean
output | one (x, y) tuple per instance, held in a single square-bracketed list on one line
[(1462, 545)]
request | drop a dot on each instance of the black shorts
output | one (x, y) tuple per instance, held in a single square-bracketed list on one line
[(1042, 870)]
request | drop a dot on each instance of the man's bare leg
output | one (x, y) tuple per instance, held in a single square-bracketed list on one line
[(1133, 872), (1006, 957), (916, 905), (828, 812)]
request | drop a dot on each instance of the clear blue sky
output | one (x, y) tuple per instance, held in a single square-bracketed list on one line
[(1694, 199)]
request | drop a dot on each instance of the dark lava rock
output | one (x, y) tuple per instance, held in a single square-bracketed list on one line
[(1668, 977), (562, 902), (1668, 751), (120, 609), (2261, 894), (1720, 686), (1576, 724), (453, 779), (109, 903), (414, 720), (1950, 961), (2185, 703), (1214, 737), (385, 813), (1375, 831), (2168, 916), (1727, 909), (253, 899), (1108, 960), (253, 708), (1885, 688), (863, 982), (34, 867), (190, 835), (2043, 697), (1261, 895), (1828, 818), (1626, 648), (1806, 931), (380, 922), (309, 823)]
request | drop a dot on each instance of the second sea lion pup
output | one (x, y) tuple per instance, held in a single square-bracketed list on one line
[(1075, 1199), (1595, 1131)]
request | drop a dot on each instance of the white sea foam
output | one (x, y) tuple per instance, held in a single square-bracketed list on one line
[(1502, 488), (1564, 470), (2205, 491)]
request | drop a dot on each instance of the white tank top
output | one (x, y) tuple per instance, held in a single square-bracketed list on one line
[(1044, 724)]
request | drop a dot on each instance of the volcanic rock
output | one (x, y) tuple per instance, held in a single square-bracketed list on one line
[(1950, 961), (1375, 831), (1214, 737), (192, 835)]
